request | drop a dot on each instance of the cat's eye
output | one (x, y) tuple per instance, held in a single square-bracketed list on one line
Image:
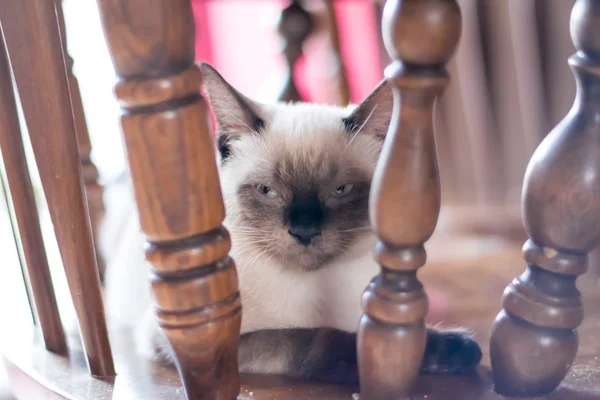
[(268, 191), (342, 190)]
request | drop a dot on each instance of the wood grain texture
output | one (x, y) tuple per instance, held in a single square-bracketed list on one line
[(472, 302), (26, 213), (420, 36), (171, 156), (534, 341), (294, 26), (93, 190), (34, 45)]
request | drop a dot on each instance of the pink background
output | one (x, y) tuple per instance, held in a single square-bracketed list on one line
[(238, 38)]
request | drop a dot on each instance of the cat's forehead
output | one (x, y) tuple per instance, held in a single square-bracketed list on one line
[(306, 144)]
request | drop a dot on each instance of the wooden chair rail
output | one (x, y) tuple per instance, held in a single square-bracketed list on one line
[(36, 55), (28, 221)]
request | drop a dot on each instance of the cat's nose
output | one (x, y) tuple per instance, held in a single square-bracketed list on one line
[(304, 234)]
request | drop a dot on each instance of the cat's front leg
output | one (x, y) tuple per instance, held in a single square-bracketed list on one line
[(450, 352), (321, 354), (330, 355)]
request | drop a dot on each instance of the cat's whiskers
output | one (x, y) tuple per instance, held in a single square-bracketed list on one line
[(245, 124), (251, 243), (242, 268), (269, 258), (358, 229), (251, 263)]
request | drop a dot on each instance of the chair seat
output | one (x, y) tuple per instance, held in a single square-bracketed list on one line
[(474, 302)]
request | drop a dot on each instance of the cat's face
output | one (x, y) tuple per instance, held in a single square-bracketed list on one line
[(296, 178)]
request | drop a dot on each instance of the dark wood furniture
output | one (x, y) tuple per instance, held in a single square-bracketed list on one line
[(36, 56), (534, 341), (35, 372), (421, 36), (533, 345)]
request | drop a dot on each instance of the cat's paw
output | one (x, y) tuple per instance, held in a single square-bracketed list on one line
[(450, 352), (339, 364)]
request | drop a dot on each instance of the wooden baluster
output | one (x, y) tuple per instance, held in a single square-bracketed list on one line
[(34, 46), (93, 190), (295, 26), (21, 189), (341, 79), (173, 166), (420, 36), (533, 341)]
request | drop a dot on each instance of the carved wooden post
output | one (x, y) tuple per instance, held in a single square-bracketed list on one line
[(173, 166), (295, 26), (534, 341), (420, 36), (93, 190)]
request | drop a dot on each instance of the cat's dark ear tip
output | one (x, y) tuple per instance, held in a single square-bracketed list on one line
[(209, 72), (210, 76), (206, 67)]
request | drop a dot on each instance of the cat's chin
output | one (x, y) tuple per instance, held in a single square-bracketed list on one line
[(305, 261), (308, 262)]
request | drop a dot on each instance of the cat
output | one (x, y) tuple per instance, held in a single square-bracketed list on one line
[(295, 180)]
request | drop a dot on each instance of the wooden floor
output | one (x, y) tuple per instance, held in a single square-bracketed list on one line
[(474, 285)]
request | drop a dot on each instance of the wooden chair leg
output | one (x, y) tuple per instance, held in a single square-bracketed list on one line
[(533, 341), (33, 40), (93, 190), (173, 166), (421, 36), (21, 189)]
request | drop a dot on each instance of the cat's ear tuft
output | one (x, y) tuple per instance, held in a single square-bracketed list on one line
[(234, 113), (373, 115)]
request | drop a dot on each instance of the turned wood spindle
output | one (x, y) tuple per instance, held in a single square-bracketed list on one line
[(170, 149), (93, 190), (295, 26), (533, 341), (36, 55), (420, 36)]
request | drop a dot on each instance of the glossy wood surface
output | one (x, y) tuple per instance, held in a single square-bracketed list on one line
[(93, 190), (420, 36), (26, 213), (35, 50), (171, 157), (534, 341), (472, 302)]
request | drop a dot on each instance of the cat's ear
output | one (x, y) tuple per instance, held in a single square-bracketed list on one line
[(373, 115), (235, 113)]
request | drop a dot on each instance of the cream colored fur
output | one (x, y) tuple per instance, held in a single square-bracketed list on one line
[(273, 296)]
